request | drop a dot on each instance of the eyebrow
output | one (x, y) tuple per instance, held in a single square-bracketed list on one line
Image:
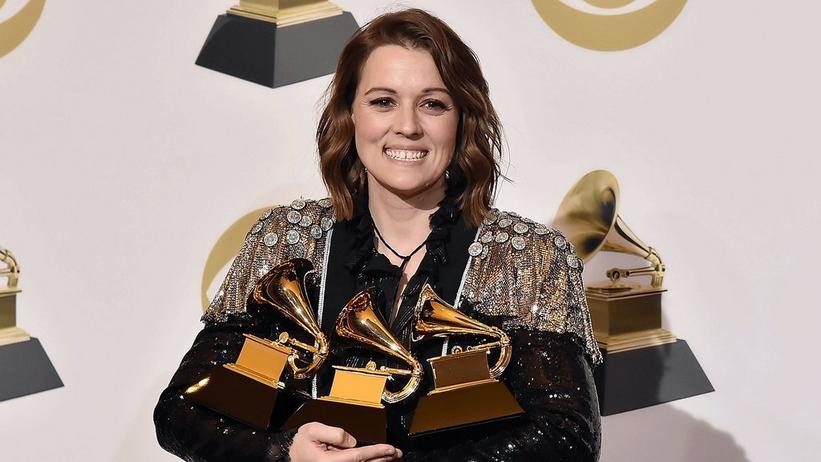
[(393, 92)]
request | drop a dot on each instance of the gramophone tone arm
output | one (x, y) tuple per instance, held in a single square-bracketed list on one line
[(394, 371), (655, 270)]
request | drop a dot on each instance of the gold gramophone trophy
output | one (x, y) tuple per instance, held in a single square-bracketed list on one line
[(277, 42), (24, 365), (355, 400), (466, 390), (638, 353), (247, 389)]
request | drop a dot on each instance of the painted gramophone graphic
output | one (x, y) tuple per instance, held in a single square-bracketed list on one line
[(24, 365), (466, 390), (355, 399), (247, 389), (644, 364)]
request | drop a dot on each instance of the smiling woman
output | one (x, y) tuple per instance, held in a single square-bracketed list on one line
[(409, 144)]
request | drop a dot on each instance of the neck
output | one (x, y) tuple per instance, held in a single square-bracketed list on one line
[(403, 221)]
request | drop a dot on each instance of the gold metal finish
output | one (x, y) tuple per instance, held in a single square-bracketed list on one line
[(625, 315), (436, 318), (9, 269), (466, 391), (285, 12), (589, 218), (361, 323), (283, 289)]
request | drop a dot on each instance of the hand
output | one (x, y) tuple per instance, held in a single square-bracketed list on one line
[(321, 443)]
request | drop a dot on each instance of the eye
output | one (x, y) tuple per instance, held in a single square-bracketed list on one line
[(435, 106), (382, 103)]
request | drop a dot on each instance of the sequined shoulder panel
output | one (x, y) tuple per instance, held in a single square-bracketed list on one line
[(281, 233), (529, 274)]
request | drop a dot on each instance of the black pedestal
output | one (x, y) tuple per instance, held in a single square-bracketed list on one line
[(261, 52), (645, 377), (25, 369)]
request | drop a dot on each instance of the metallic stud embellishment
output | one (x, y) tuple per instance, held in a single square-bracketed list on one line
[(559, 241), (521, 228), (505, 222), (325, 203), (518, 242), (257, 228), (475, 249), (263, 269), (513, 214), (270, 239), (487, 237), (294, 217), (292, 237), (306, 221), (541, 229), (326, 223), (485, 251), (298, 204), (501, 236), (265, 214), (572, 261), (316, 231), (491, 218)]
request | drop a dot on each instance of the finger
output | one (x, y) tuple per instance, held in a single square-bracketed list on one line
[(334, 436), (365, 453)]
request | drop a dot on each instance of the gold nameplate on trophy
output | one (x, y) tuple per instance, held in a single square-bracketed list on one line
[(247, 389), (355, 400), (9, 332), (466, 391), (626, 316), (285, 12)]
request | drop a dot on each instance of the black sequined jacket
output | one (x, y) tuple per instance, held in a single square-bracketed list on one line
[(510, 272)]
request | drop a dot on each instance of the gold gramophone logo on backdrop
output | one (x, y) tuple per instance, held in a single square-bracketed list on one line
[(16, 28), (615, 29)]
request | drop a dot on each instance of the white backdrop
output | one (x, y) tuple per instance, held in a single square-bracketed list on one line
[(121, 162)]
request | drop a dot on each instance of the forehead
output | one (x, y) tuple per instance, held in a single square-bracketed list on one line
[(400, 69)]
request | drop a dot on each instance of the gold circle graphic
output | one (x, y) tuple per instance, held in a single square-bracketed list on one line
[(614, 32), (15, 29)]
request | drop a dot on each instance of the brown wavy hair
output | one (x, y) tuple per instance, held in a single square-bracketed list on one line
[(474, 170)]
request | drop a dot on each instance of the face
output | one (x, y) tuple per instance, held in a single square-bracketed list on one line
[(405, 122)]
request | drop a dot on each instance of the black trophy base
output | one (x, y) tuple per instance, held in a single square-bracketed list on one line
[(237, 396), (25, 369), (260, 52), (462, 407), (366, 424), (635, 379)]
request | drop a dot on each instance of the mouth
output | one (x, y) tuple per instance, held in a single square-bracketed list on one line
[(405, 155)]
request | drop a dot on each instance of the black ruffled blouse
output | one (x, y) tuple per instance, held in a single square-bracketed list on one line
[(550, 374)]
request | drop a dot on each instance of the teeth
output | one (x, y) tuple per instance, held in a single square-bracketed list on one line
[(401, 154)]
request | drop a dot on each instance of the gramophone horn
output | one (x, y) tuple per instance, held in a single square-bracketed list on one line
[(588, 217), (360, 322), (283, 288), (436, 318)]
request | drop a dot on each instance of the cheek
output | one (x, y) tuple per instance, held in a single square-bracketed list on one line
[(369, 128)]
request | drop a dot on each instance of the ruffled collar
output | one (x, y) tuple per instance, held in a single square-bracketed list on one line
[(365, 257)]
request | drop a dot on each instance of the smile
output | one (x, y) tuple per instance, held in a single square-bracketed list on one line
[(405, 155)]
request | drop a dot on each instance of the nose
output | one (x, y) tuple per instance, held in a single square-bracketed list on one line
[(407, 122)]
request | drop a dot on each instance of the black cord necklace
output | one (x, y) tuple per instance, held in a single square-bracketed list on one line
[(405, 258)]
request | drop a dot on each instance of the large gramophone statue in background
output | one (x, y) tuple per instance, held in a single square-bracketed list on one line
[(466, 390), (277, 42), (247, 389), (355, 399), (24, 366), (644, 364)]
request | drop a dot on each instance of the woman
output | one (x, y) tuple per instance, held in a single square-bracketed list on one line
[(409, 144)]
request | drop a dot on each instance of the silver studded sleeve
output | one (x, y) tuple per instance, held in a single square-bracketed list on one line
[(534, 291)]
